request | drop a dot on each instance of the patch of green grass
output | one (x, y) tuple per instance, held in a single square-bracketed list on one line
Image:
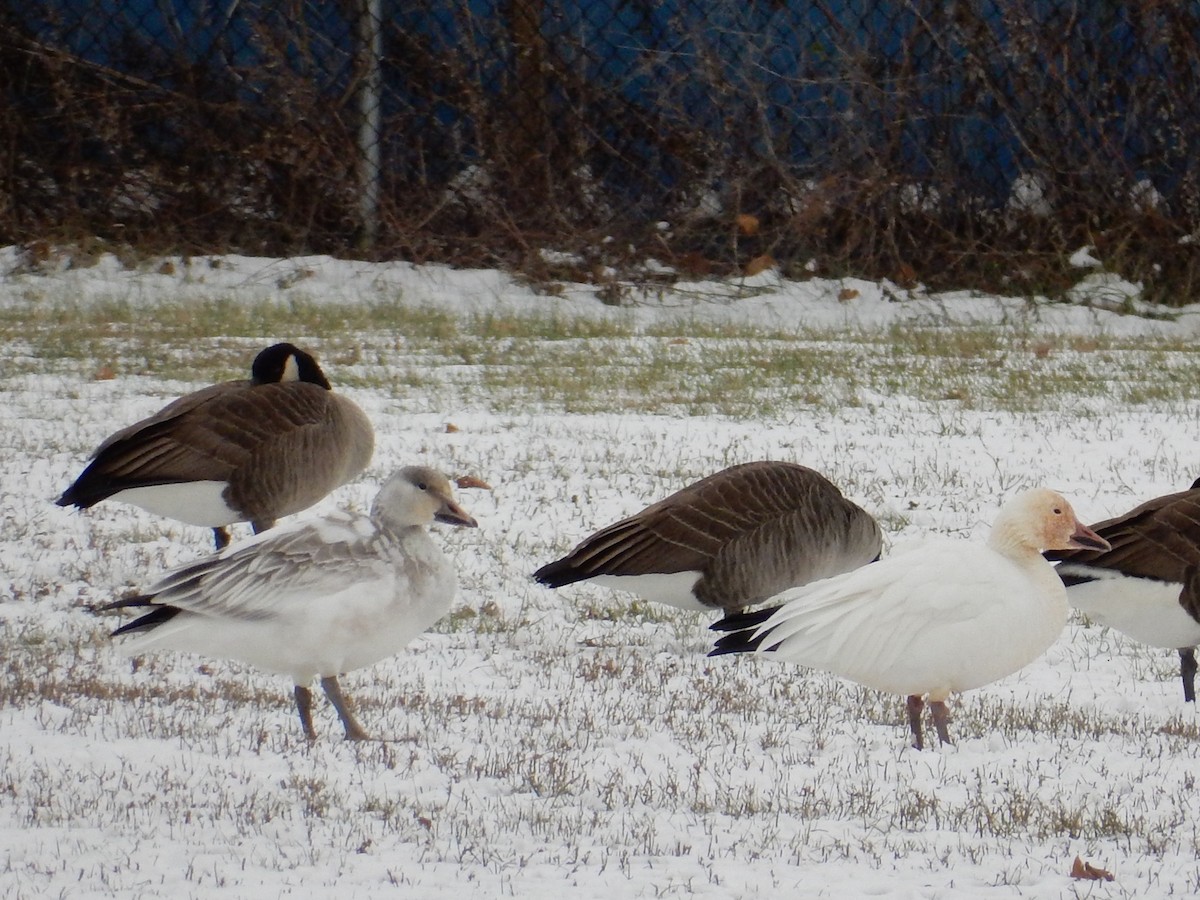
[(595, 365), (486, 620), (623, 610)]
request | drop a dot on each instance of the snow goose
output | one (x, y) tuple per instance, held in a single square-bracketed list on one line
[(1148, 584), (728, 541), (241, 451), (314, 598), (943, 617)]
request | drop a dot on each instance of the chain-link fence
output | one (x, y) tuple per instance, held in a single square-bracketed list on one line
[(951, 142)]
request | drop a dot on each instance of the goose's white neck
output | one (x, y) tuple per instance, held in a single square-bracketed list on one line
[(1047, 613), (1010, 539), (1022, 530), (1014, 538)]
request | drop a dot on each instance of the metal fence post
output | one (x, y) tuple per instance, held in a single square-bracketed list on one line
[(370, 101)]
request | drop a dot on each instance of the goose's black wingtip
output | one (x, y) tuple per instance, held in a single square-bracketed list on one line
[(742, 633), (739, 621), (71, 497), (558, 574), (133, 600), (737, 642), (719, 649), (87, 490), (157, 616)]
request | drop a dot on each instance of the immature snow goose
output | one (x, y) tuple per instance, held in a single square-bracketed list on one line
[(943, 617), (241, 451), (728, 541), (1148, 584), (313, 598)]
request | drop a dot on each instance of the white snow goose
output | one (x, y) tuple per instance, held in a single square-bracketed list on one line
[(1148, 585), (727, 541), (945, 616), (242, 451), (314, 598)]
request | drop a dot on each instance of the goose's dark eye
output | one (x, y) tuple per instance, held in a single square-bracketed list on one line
[(1057, 511), (422, 486)]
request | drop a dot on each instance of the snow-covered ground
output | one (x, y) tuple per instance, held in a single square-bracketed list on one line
[(552, 744)]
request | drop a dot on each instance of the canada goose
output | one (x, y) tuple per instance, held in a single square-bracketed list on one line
[(1148, 584), (241, 451), (313, 598), (943, 617), (730, 540)]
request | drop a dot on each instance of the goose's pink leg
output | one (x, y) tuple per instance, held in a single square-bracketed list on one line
[(333, 690), (941, 715), (304, 706), (915, 707)]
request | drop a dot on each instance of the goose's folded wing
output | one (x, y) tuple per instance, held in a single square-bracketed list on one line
[(208, 435), (172, 411), (875, 613), (275, 572), (749, 505)]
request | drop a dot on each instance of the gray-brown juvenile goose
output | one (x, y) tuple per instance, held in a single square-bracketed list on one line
[(728, 541), (1148, 585), (313, 598), (241, 451)]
